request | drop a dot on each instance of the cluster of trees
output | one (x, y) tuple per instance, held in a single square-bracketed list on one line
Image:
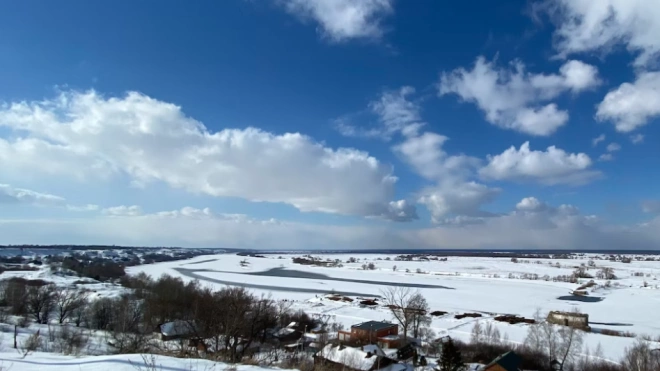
[(231, 319), (370, 266), (42, 302), (100, 269), (311, 260)]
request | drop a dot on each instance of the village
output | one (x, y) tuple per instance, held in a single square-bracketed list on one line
[(77, 305)]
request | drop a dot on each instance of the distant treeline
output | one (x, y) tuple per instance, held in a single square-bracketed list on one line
[(108, 247)]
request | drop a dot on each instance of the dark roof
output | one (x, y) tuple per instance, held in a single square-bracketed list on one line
[(508, 361), (373, 325)]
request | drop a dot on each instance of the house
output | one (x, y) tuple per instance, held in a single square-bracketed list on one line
[(288, 336), (176, 330), (384, 333), (367, 358), (577, 320), (508, 361)]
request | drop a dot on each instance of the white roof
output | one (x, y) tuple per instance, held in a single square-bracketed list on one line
[(374, 349), (354, 358), (285, 331)]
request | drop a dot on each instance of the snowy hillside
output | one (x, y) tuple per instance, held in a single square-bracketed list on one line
[(123, 362), (489, 286)]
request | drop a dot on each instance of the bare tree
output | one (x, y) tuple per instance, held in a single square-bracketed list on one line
[(559, 343), (67, 301), (569, 346), (399, 299), (606, 273), (128, 336), (40, 302), (419, 309), (477, 333), (535, 339), (492, 334), (640, 357)]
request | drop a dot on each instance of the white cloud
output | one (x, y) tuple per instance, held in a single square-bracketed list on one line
[(189, 227), (588, 26), (342, 20), (632, 106), (531, 204), (637, 138), (613, 147), (527, 226), (553, 166), (578, 76), (396, 113), (606, 157), (535, 224), (453, 193), (516, 99), (88, 207), (598, 139), (123, 210), (87, 136), (457, 198), (11, 195), (425, 154)]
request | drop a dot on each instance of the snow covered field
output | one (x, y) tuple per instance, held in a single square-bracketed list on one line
[(123, 362), (490, 286)]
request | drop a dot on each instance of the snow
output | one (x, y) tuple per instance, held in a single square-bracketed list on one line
[(472, 284), (123, 362), (352, 357)]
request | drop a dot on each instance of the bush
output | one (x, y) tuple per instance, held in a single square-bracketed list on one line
[(68, 341)]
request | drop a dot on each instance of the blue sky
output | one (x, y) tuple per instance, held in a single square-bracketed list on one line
[(331, 123)]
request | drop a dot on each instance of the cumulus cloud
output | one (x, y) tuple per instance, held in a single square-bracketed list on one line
[(515, 99), (588, 26), (341, 20), (87, 136), (427, 157), (396, 113), (453, 192), (598, 139), (464, 199), (531, 204), (606, 157), (552, 166), (632, 105), (11, 195)]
